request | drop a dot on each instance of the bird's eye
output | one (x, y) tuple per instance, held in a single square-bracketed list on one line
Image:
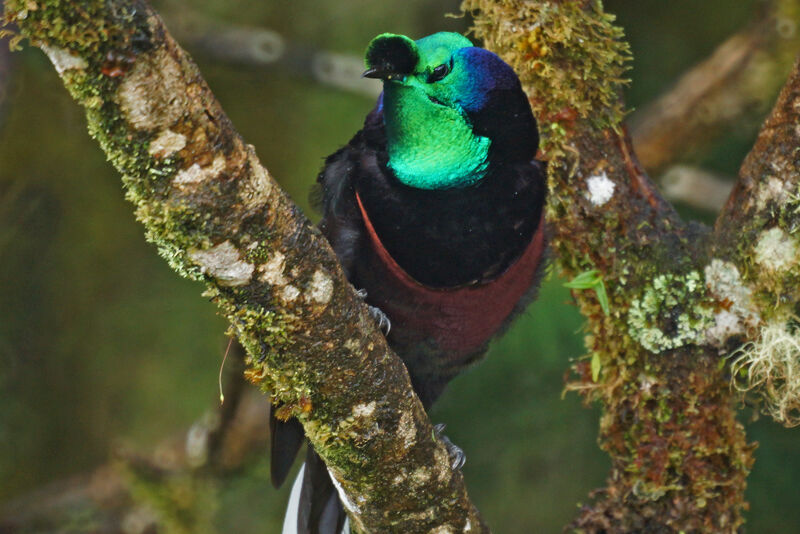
[(438, 73)]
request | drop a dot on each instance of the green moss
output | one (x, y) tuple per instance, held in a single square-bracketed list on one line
[(89, 28)]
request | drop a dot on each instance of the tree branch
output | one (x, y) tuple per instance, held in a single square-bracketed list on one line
[(217, 216), (738, 80), (757, 241)]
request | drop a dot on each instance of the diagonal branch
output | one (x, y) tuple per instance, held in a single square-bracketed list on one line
[(757, 237), (217, 216), (738, 80)]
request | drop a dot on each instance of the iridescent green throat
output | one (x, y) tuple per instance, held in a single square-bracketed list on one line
[(431, 146)]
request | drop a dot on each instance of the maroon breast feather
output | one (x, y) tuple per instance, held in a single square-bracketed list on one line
[(458, 321)]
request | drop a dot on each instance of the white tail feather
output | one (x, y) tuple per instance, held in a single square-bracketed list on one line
[(290, 520)]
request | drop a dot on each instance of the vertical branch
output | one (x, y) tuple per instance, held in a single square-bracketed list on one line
[(679, 458)]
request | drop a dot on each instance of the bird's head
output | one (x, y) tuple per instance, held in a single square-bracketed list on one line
[(449, 109)]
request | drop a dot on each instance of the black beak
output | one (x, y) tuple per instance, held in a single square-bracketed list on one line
[(380, 74)]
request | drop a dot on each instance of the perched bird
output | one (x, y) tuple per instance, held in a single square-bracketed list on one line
[(435, 210)]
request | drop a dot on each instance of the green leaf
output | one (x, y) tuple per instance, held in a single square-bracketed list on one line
[(585, 280), (591, 280), (595, 366)]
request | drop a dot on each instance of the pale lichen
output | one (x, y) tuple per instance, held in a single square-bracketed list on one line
[(143, 109), (726, 325), (407, 431), (224, 263), (739, 313), (776, 251), (772, 190), (196, 174), (601, 189), (321, 288), (364, 409), (166, 144), (257, 187), (770, 366), (420, 476), (272, 270), (671, 313), (64, 60), (289, 293)]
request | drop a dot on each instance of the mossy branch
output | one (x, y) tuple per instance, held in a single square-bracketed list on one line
[(217, 216), (681, 297)]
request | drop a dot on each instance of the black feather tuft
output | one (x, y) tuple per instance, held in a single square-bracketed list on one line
[(390, 53)]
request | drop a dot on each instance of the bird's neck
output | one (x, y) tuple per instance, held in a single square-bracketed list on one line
[(431, 146)]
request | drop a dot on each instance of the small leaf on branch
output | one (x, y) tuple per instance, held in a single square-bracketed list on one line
[(591, 280)]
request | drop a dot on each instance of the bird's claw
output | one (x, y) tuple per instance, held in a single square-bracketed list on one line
[(376, 313), (381, 318), (457, 456)]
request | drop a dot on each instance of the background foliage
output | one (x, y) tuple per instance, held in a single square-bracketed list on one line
[(101, 344)]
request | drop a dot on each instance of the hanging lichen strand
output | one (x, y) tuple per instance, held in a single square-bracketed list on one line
[(679, 457)]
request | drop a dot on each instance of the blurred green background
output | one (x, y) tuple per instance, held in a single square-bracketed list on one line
[(100, 343)]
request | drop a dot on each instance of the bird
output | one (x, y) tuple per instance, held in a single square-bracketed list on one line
[(435, 209)]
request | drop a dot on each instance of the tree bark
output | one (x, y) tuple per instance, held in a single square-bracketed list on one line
[(217, 216)]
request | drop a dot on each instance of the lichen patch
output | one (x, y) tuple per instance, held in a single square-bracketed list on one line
[(364, 409), (62, 59), (289, 293), (407, 431), (725, 284), (196, 174), (224, 263), (670, 313), (443, 529), (726, 324), (420, 476), (773, 189), (321, 288), (271, 271), (257, 186), (776, 250), (166, 144), (601, 189), (153, 95)]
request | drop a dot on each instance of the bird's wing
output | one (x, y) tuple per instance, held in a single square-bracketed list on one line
[(335, 193)]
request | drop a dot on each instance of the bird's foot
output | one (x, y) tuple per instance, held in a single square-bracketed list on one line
[(377, 314), (457, 456), (381, 318)]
